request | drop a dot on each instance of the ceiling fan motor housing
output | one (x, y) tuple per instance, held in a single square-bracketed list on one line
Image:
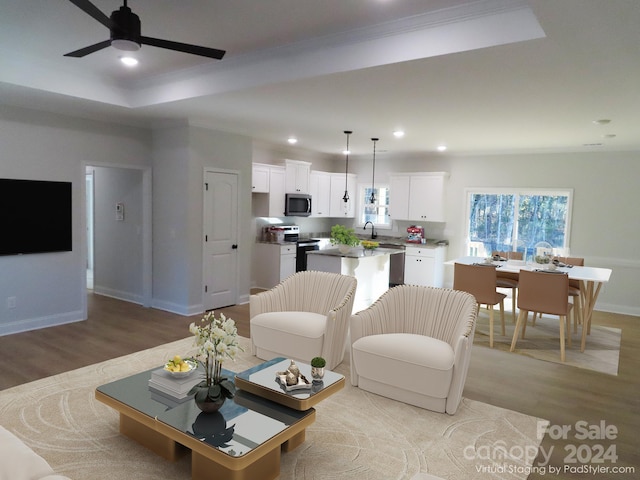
[(125, 34)]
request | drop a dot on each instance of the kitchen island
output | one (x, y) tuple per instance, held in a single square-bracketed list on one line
[(370, 267)]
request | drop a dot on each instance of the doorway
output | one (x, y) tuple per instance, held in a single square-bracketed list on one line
[(118, 232)]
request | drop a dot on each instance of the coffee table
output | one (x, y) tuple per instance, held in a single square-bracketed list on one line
[(242, 441), (261, 380)]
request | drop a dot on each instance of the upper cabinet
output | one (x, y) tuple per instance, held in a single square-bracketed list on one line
[(297, 173), (271, 204), (417, 196), (338, 208), (320, 190), (260, 178)]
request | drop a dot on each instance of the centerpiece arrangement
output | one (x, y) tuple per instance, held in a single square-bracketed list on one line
[(217, 341), (345, 238)]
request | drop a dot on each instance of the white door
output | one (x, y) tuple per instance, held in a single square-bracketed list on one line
[(220, 239)]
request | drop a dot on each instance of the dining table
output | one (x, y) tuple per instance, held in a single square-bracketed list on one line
[(591, 280)]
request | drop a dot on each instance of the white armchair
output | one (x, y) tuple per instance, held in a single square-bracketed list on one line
[(305, 316), (414, 345)]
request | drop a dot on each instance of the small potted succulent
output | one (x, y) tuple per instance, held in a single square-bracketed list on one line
[(344, 238), (317, 368)]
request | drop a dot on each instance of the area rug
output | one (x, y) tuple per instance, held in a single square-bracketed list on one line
[(357, 435), (542, 342)]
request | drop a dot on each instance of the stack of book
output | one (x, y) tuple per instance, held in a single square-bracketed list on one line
[(173, 391)]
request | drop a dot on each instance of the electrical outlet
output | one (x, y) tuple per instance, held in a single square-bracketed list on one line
[(11, 302)]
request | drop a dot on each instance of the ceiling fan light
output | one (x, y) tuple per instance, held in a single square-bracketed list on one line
[(125, 45), (129, 61)]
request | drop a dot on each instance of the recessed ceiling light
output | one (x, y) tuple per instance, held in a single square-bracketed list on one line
[(442, 148), (292, 140), (129, 61), (602, 121), (398, 133)]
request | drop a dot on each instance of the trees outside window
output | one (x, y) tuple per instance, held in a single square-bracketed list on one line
[(515, 220)]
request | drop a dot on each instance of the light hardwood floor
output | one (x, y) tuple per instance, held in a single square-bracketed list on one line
[(561, 394)]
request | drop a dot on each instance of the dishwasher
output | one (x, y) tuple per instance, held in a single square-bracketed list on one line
[(396, 264)]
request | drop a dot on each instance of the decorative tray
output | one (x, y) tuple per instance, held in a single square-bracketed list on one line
[(303, 383)]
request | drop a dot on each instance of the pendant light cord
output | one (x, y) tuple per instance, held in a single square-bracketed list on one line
[(372, 198), (346, 170)]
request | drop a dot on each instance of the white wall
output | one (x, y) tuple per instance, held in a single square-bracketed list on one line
[(50, 288), (118, 259)]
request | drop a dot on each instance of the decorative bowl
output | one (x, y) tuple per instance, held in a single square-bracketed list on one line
[(182, 373), (369, 245)]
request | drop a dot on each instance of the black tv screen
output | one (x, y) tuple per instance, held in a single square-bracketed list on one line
[(35, 216)]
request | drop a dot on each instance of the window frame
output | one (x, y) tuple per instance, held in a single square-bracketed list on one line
[(361, 203), (518, 192)]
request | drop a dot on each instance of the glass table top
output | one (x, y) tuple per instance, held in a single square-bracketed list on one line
[(242, 424), (265, 376)]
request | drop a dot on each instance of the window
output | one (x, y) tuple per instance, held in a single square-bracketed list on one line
[(378, 212), (515, 220)]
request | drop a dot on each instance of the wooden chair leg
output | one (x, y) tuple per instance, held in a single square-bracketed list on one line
[(526, 319), (490, 307), (568, 329), (504, 332), (521, 316), (562, 321), (513, 304)]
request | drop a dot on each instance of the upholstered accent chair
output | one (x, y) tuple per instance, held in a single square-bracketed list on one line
[(304, 316), (414, 345)]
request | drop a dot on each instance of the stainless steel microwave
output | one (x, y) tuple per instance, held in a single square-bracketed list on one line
[(297, 205)]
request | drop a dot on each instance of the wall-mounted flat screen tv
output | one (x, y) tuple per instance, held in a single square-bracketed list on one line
[(35, 216)]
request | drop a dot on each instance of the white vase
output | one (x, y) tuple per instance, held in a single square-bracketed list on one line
[(344, 249)]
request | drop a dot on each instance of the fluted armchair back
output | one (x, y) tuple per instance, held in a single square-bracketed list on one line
[(329, 296), (414, 345)]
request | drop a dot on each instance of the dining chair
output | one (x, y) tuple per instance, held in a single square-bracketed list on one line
[(575, 292), (480, 281), (509, 279), (544, 292)]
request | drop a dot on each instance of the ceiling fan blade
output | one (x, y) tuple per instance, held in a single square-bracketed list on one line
[(184, 47), (87, 50), (90, 9)]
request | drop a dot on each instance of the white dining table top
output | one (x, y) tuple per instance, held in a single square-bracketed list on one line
[(587, 274)]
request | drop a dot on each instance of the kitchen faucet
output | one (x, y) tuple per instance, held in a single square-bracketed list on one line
[(373, 229)]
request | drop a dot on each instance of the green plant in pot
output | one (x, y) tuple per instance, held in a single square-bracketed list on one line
[(344, 237), (317, 368)]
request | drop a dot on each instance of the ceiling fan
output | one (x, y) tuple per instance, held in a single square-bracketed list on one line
[(124, 26)]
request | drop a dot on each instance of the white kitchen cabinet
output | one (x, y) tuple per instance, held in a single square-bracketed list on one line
[(320, 190), (399, 196), (271, 204), (424, 265), (297, 176), (338, 208), (260, 178), (273, 263), (417, 196)]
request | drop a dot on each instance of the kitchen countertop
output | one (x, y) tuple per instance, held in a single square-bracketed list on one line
[(355, 252)]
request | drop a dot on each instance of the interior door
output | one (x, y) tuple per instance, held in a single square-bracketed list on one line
[(220, 239)]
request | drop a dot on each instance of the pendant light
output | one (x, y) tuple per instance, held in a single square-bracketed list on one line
[(345, 198), (372, 198)]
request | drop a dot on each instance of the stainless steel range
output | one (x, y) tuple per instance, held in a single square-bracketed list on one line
[(291, 233)]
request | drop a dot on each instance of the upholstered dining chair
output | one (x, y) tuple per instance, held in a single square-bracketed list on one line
[(304, 316), (575, 292), (413, 345), (544, 292), (481, 282), (509, 279)]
